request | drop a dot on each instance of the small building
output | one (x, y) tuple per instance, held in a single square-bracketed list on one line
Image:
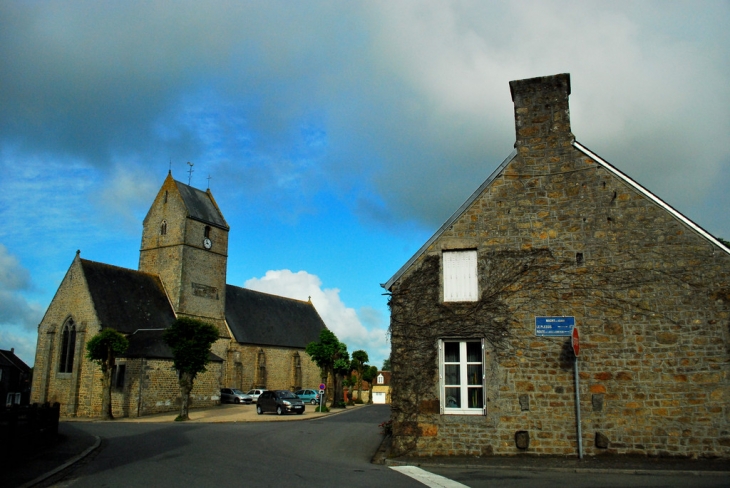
[(557, 238), (15, 379), (182, 273), (381, 387)]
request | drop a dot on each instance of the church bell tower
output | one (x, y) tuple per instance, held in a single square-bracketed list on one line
[(185, 242)]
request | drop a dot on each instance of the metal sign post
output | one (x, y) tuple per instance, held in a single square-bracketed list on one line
[(575, 342), (321, 396)]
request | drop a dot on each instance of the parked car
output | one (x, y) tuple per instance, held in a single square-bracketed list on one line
[(279, 401), (232, 395), (308, 396), (254, 394)]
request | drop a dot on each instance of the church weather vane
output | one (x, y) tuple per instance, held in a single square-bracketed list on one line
[(190, 172), (208, 181)]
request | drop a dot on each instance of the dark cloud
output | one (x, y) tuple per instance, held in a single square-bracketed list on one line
[(409, 101)]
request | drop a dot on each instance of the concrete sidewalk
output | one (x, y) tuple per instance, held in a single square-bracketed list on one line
[(235, 413)]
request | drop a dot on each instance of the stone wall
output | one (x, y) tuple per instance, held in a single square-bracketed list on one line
[(50, 385), (557, 234), (243, 370)]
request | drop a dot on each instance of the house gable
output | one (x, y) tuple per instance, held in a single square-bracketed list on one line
[(560, 232)]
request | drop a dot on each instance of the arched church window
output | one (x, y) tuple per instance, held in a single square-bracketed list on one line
[(207, 231), (68, 347), (163, 228), (261, 369), (296, 371)]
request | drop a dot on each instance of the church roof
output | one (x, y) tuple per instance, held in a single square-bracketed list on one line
[(263, 319), (127, 300), (150, 344), (201, 206)]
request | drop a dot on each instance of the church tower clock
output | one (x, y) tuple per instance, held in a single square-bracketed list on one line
[(185, 242)]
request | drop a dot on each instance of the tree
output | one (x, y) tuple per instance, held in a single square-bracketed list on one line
[(369, 374), (359, 358), (190, 341), (386, 365), (332, 358), (103, 349)]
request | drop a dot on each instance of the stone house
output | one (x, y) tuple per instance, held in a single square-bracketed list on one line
[(15, 378), (558, 238), (381, 387), (182, 272)]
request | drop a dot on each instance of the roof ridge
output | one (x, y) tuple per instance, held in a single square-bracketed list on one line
[(152, 275), (270, 294)]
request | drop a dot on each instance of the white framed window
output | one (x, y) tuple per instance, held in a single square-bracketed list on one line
[(381, 379), (461, 377), (460, 276)]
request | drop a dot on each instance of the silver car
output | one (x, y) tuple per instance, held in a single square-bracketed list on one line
[(255, 393), (232, 395)]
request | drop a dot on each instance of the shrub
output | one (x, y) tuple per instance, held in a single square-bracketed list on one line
[(386, 428)]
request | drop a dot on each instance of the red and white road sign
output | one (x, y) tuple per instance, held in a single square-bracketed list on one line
[(574, 339)]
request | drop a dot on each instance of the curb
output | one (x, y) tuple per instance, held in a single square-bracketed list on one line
[(630, 471), (67, 464)]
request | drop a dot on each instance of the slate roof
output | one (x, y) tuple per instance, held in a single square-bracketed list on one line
[(150, 344), (201, 206), (8, 358), (263, 319), (127, 300)]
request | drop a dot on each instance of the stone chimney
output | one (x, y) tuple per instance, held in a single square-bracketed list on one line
[(542, 115)]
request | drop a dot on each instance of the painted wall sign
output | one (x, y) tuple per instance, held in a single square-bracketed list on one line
[(554, 326)]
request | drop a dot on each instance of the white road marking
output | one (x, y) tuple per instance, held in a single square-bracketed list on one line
[(429, 479)]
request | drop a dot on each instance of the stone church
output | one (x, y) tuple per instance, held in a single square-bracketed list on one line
[(182, 273), (555, 240)]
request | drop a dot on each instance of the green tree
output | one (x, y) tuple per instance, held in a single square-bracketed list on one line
[(386, 365), (103, 349), (369, 374), (332, 358), (359, 358), (190, 341)]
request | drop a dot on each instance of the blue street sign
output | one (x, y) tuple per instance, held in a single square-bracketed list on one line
[(554, 326)]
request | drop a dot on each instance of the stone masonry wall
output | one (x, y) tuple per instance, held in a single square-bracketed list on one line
[(558, 235), (49, 385), (280, 372)]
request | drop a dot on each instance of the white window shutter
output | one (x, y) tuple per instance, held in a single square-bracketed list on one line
[(460, 276)]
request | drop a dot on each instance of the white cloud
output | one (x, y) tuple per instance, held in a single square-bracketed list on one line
[(18, 317), (344, 321), (14, 279), (23, 344)]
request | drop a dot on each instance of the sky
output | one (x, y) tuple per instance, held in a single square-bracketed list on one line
[(336, 136)]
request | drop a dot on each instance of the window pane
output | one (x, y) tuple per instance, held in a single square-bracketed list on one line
[(453, 397), (474, 374), (451, 352), (451, 374), (474, 352), (476, 400)]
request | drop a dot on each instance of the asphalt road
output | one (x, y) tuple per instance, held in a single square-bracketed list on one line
[(331, 451), (326, 452)]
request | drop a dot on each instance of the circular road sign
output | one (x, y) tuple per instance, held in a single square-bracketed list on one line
[(575, 341), (321, 386)]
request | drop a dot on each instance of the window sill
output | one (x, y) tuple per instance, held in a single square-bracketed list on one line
[(471, 411)]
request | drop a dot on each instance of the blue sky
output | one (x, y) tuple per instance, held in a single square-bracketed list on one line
[(338, 136)]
